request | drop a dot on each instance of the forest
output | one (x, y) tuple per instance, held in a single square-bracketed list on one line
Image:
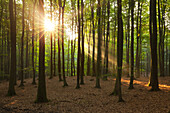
[(88, 56)]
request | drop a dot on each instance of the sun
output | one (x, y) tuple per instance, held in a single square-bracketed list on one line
[(49, 25)]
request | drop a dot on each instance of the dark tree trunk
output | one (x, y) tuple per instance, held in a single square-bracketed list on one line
[(103, 34), (89, 58), (137, 49), (11, 89), (22, 46), (82, 55), (119, 52), (54, 74), (64, 78), (68, 57), (93, 57), (107, 36), (114, 43), (72, 51), (33, 29), (132, 46), (27, 48), (153, 41), (128, 41), (51, 40), (41, 93), (1, 31), (99, 47), (161, 43), (15, 78), (78, 57), (59, 56)]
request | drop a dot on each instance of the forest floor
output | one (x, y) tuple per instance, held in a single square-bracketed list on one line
[(88, 99)]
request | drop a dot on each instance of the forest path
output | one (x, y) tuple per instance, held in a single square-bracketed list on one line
[(88, 99)]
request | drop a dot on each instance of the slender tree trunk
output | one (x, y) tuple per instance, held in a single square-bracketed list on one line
[(15, 81), (59, 36), (41, 93), (64, 78), (82, 31), (137, 49), (22, 46), (132, 46), (68, 57), (72, 51), (54, 74), (33, 29), (93, 57), (128, 41), (99, 47), (153, 40), (51, 40), (103, 34), (161, 43), (1, 31), (11, 89), (27, 48), (119, 52), (107, 36), (78, 57), (8, 51), (89, 58)]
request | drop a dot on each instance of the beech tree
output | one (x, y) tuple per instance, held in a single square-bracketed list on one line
[(41, 92), (11, 89)]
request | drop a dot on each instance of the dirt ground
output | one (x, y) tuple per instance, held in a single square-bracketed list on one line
[(88, 99)]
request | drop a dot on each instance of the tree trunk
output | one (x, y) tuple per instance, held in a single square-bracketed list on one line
[(72, 51), (137, 49), (107, 36), (89, 58), (132, 46), (119, 52), (78, 56), (1, 31), (41, 93), (22, 47), (59, 56), (82, 55), (99, 47), (153, 41), (51, 40), (93, 57), (11, 89), (64, 79), (68, 57), (27, 48), (33, 29), (161, 43), (128, 41)]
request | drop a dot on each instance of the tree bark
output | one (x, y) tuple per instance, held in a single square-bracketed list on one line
[(78, 56), (93, 57), (51, 43), (153, 41), (82, 55), (22, 46), (132, 46), (63, 63), (33, 30), (41, 93), (11, 89), (59, 56), (99, 47)]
